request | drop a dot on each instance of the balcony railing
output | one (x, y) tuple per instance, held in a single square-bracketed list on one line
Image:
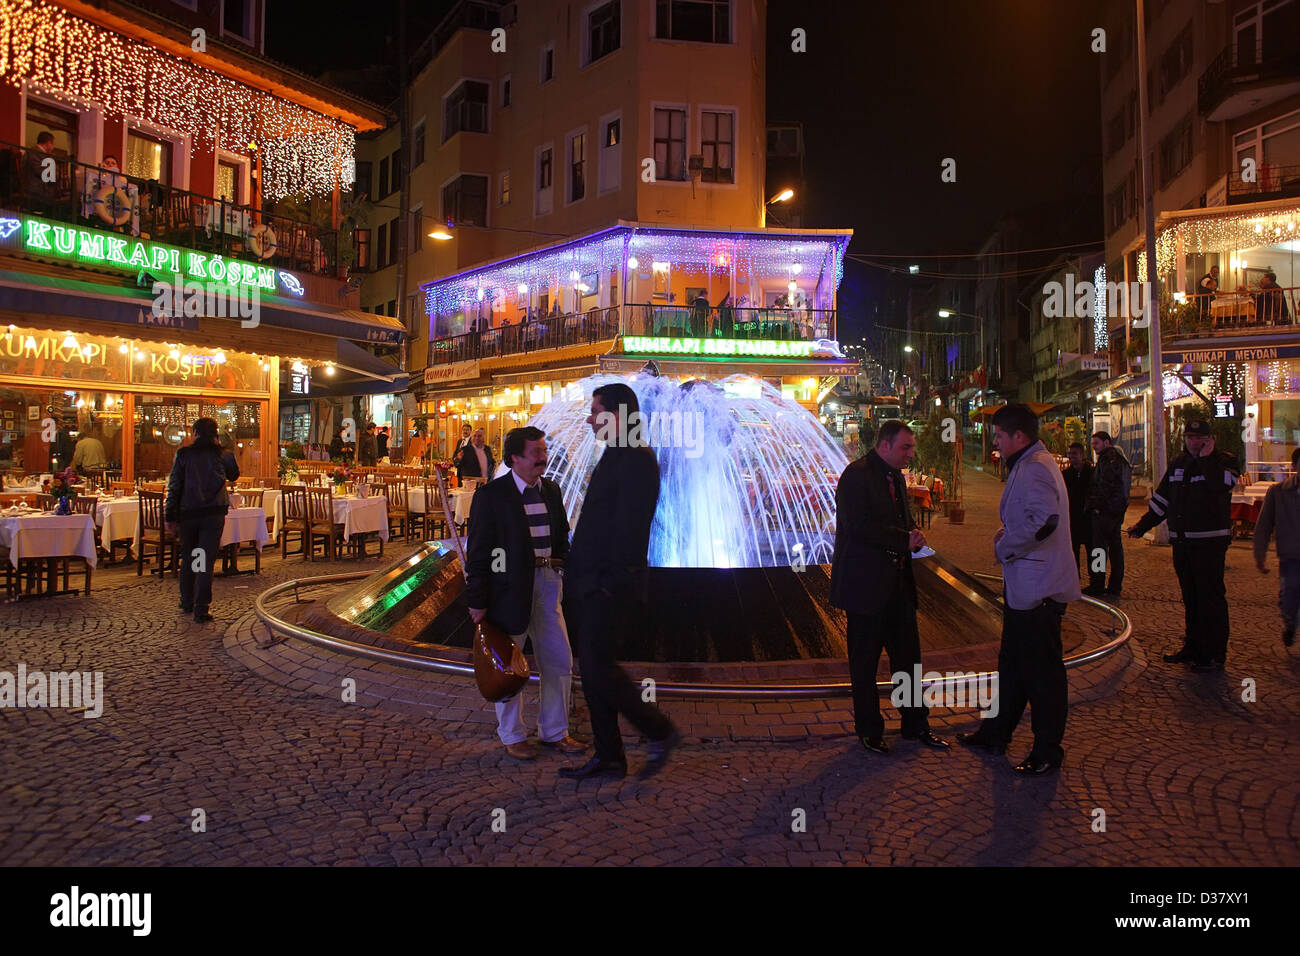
[(557, 331), (1270, 182), (549, 332), (1274, 59), (108, 199), (1251, 310), (730, 323)]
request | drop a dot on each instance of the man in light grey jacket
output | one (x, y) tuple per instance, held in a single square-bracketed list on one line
[(1281, 512), (1041, 577)]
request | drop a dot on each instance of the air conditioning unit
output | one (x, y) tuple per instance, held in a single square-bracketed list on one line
[(509, 14)]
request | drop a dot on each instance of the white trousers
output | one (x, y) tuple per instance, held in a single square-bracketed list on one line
[(554, 660)]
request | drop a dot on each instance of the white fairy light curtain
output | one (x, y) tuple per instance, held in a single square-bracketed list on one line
[(73, 60)]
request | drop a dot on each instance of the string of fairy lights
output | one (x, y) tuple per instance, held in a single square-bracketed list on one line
[(1219, 233), (69, 59)]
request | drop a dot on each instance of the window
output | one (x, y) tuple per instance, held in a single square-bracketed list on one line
[(1175, 62), (381, 247), (417, 229), (544, 169), (1271, 144), (670, 144), (466, 110), (237, 18), (611, 153), (701, 21), (1176, 151), (603, 31), (383, 179), (229, 178), (392, 307), (62, 124), (1121, 204), (548, 63), (363, 185), (417, 145), (464, 201), (717, 139), (503, 199), (505, 91), (147, 157), (396, 165), (393, 236), (577, 166)]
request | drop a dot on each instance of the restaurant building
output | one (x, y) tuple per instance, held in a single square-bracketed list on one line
[(170, 241), (508, 336)]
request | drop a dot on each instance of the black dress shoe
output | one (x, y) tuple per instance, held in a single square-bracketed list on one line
[(657, 754), (929, 740), (1113, 595), (202, 617), (1094, 591), (1288, 636), (1206, 667), (1032, 765), (975, 740), (1182, 656), (187, 608), (595, 767), (876, 745)]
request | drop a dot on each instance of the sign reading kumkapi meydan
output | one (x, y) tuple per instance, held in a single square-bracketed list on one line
[(41, 237)]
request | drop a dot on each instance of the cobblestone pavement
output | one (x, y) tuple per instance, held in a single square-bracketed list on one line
[(201, 718)]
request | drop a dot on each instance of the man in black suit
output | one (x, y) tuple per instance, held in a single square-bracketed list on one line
[(1078, 480), (871, 579), (518, 539), (607, 576), (476, 459)]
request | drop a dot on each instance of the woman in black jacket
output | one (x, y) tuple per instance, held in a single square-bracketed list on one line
[(195, 511)]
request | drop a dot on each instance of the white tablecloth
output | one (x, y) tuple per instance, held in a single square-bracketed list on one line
[(245, 524), (362, 515), (271, 505), (461, 499), (48, 536), (117, 518)]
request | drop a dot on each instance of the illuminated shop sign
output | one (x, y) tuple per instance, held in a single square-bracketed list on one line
[(41, 237), (723, 348)]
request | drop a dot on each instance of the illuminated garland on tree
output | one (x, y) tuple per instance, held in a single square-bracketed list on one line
[(78, 62)]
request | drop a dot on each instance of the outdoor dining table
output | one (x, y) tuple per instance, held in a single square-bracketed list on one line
[(34, 536), (242, 525), (921, 494), (117, 518), (270, 504), (362, 515)]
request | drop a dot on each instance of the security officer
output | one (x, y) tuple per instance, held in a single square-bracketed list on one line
[(1195, 496)]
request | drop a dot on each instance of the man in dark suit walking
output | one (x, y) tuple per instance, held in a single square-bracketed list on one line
[(607, 576), (518, 538), (871, 579), (476, 459)]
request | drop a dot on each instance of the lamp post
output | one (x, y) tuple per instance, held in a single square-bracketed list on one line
[(785, 195)]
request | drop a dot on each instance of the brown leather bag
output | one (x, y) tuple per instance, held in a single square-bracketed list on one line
[(500, 667)]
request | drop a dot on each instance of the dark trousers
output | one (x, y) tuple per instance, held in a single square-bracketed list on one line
[(1288, 597), (1031, 671), (1205, 598), (196, 586), (892, 628), (1107, 534), (1081, 538), (608, 689)]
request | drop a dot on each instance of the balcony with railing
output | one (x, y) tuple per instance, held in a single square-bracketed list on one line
[(1247, 76), (106, 199), (1245, 312), (1268, 181), (541, 333)]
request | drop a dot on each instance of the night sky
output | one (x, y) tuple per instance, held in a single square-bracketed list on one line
[(886, 91)]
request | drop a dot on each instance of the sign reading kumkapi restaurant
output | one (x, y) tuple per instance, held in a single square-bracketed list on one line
[(452, 372), (723, 348), (59, 240), (1242, 353)]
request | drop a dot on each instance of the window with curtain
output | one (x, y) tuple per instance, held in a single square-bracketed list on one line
[(670, 144), (147, 157)]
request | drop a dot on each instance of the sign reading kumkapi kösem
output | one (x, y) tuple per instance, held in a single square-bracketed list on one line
[(43, 238), (722, 348)]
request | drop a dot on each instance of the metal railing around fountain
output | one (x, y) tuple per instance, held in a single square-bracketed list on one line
[(1121, 631)]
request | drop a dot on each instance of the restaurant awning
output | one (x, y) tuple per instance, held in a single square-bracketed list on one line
[(360, 373)]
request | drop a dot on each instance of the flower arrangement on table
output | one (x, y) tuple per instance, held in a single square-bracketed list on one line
[(61, 485), (341, 476)]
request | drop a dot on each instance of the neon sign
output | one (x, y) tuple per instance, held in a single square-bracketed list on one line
[(105, 249), (722, 348)]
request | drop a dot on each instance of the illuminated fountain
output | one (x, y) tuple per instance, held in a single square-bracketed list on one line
[(740, 548)]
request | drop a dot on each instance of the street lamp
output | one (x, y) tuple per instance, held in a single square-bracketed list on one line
[(913, 270), (441, 234), (785, 195)]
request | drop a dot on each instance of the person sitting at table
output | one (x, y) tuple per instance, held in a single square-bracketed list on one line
[(41, 189), (726, 313), (195, 511), (1209, 286), (1270, 302)]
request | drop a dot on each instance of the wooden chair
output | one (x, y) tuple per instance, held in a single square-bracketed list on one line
[(432, 521), (293, 509), (46, 502), (399, 506), (85, 506), (269, 483), (320, 523), (252, 497), (153, 486), (121, 488), (154, 535), (243, 482)]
